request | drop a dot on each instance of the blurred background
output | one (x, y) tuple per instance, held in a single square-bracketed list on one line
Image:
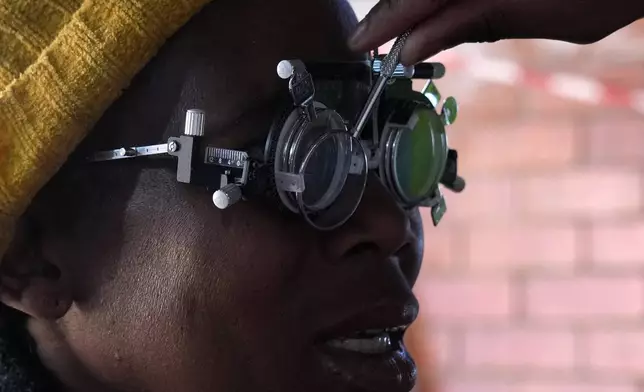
[(534, 281)]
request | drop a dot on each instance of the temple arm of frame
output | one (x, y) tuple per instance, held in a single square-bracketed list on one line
[(129, 152)]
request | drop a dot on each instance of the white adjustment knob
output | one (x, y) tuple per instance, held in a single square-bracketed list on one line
[(227, 196), (288, 68), (285, 69), (195, 122)]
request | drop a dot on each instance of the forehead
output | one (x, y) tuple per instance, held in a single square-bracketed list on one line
[(230, 65)]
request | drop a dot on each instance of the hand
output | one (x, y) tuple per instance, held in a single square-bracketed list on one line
[(443, 24)]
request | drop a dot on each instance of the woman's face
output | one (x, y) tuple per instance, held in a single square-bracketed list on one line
[(172, 294)]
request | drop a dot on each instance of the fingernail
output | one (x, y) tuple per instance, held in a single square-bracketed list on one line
[(356, 37)]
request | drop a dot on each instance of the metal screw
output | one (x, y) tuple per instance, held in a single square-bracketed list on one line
[(172, 146)]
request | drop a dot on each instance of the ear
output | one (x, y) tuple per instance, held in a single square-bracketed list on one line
[(29, 282)]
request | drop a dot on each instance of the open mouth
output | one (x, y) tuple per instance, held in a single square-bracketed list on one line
[(371, 359), (372, 341)]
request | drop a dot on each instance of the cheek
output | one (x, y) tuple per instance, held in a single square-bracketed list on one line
[(250, 248), (238, 296), (411, 269), (190, 291)]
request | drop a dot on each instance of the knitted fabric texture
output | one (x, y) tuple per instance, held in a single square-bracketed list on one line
[(62, 64)]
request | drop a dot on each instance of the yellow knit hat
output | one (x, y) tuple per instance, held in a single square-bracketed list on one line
[(62, 64)]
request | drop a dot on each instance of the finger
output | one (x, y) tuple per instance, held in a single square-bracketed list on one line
[(390, 18), (451, 27)]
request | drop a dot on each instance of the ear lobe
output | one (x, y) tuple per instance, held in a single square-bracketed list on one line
[(28, 282), (39, 297)]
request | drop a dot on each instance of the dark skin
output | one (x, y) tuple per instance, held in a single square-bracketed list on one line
[(443, 24), (140, 284)]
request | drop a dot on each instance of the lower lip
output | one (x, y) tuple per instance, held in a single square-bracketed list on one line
[(394, 371)]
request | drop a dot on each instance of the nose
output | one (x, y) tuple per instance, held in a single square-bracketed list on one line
[(379, 226)]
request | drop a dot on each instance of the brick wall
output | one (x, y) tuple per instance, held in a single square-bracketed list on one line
[(535, 279)]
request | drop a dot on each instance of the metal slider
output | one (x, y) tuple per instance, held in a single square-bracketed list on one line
[(129, 152), (401, 71)]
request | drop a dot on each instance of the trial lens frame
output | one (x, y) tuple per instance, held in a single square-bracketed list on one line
[(237, 164)]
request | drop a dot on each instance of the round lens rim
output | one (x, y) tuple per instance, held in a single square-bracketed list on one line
[(333, 122), (337, 183), (280, 161), (303, 210), (439, 149), (385, 170), (392, 132)]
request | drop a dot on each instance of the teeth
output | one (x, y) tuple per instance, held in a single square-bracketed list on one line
[(369, 341), (375, 345), (386, 330)]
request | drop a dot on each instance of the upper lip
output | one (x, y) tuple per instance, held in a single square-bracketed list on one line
[(381, 316)]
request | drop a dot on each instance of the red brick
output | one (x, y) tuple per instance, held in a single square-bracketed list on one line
[(616, 352), (481, 103), (616, 139), (466, 299), (519, 350), (520, 146), (485, 198), (534, 385), (439, 246), (521, 52), (585, 298), (430, 346), (509, 247), (588, 192), (627, 73), (543, 105), (627, 76), (580, 385), (618, 243), (554, 56), (432, 350), (445, 349), (458, 383)]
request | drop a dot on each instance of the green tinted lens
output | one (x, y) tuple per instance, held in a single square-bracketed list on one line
[(419, 155)]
